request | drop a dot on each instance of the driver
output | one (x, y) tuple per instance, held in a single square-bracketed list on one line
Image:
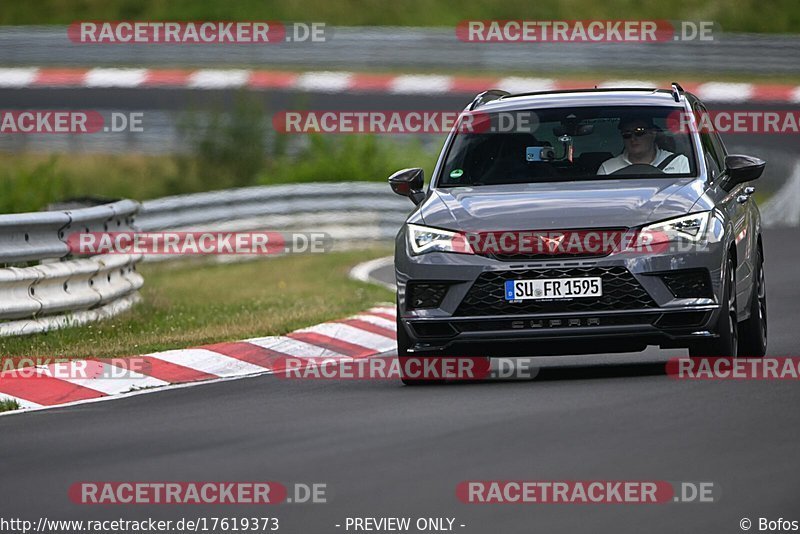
[(639, 139)]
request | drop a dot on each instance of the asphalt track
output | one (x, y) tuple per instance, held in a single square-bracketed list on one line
[(388, 450)]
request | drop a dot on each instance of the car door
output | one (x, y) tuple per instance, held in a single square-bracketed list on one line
[(736, 206)]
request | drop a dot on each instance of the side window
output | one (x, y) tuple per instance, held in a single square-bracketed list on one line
[(712, 147), (716, 140)]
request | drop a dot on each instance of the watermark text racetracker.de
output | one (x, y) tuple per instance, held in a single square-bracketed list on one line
[(34, 367), (745, 121), (585, 492), (402, 122), (583, 31), (435, 368), (258, 32), (198, 243), (53, 121), (726, 368)]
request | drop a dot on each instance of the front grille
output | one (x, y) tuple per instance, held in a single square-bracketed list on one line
[(425, 294), (688, 283), (621, 291), (486, 325)]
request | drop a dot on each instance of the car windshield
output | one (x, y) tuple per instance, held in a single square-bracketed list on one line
[(564, 144)]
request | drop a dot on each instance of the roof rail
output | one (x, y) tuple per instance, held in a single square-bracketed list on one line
[(677, 91), (592, 90), (487, 96)]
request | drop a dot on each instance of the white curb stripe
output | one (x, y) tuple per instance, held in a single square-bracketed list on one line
[(100, 77), (105, 381), (384, 309), (420, 84), (218, 78), (377, 321), (209, 362), (352, 334), (725, 92), (517, 84), (612, 84), (327, 82), (17, 77), (295, 348)]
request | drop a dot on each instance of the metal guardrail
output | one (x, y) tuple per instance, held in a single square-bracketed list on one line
[(42, 287), (419, 48), (349, 211), (59, 291)]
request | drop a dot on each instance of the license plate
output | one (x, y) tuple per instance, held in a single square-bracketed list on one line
[(554, 288)]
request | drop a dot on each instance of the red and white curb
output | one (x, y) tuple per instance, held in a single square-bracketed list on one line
[(365, 335), (359, 82)]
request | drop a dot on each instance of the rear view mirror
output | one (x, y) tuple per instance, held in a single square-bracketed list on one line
[(573, 130), (740, 169), (409, 183)]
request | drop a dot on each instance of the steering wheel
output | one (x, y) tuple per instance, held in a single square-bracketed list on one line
[(638, 168)]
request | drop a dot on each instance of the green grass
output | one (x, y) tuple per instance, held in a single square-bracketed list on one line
[(8, 405), (30, 181), (779, 16), (189, 304)]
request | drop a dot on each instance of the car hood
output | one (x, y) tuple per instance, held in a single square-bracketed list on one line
[(561, 205)]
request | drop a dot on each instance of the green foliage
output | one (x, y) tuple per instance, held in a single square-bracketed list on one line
[(775, 16), (334, 158), (31, 187), (7, 405), (227, 149)]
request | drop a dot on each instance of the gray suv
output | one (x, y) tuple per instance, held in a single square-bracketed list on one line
[(584, 221)]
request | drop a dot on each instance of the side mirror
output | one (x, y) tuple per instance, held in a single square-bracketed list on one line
[(740, 169), (409, 183)]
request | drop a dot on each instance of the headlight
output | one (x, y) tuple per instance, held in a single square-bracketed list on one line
[(423, 240), (685, 228)]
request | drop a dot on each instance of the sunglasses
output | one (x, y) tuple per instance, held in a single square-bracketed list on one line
[(638, 132)]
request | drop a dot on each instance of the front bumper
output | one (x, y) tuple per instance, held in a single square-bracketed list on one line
[(652, 316)]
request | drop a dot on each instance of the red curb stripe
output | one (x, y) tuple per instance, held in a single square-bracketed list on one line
[(327, 342), (773, 93), (264, 79), (172, 78), (67, 77), (250, 353), (473, 84), (45, 390), (370, 327), (382, 315), (172, 372), (371, 82)]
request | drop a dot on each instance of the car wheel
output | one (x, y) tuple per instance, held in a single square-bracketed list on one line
[(403, 357), (753, 331), (727, 329)]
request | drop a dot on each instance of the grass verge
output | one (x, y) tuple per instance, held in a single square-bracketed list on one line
[(29, 181), (732, 15), (194, 304), (8, 405)]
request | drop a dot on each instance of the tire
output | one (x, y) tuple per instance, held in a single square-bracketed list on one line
[(403, 356), (727, 328), (753, 331)]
